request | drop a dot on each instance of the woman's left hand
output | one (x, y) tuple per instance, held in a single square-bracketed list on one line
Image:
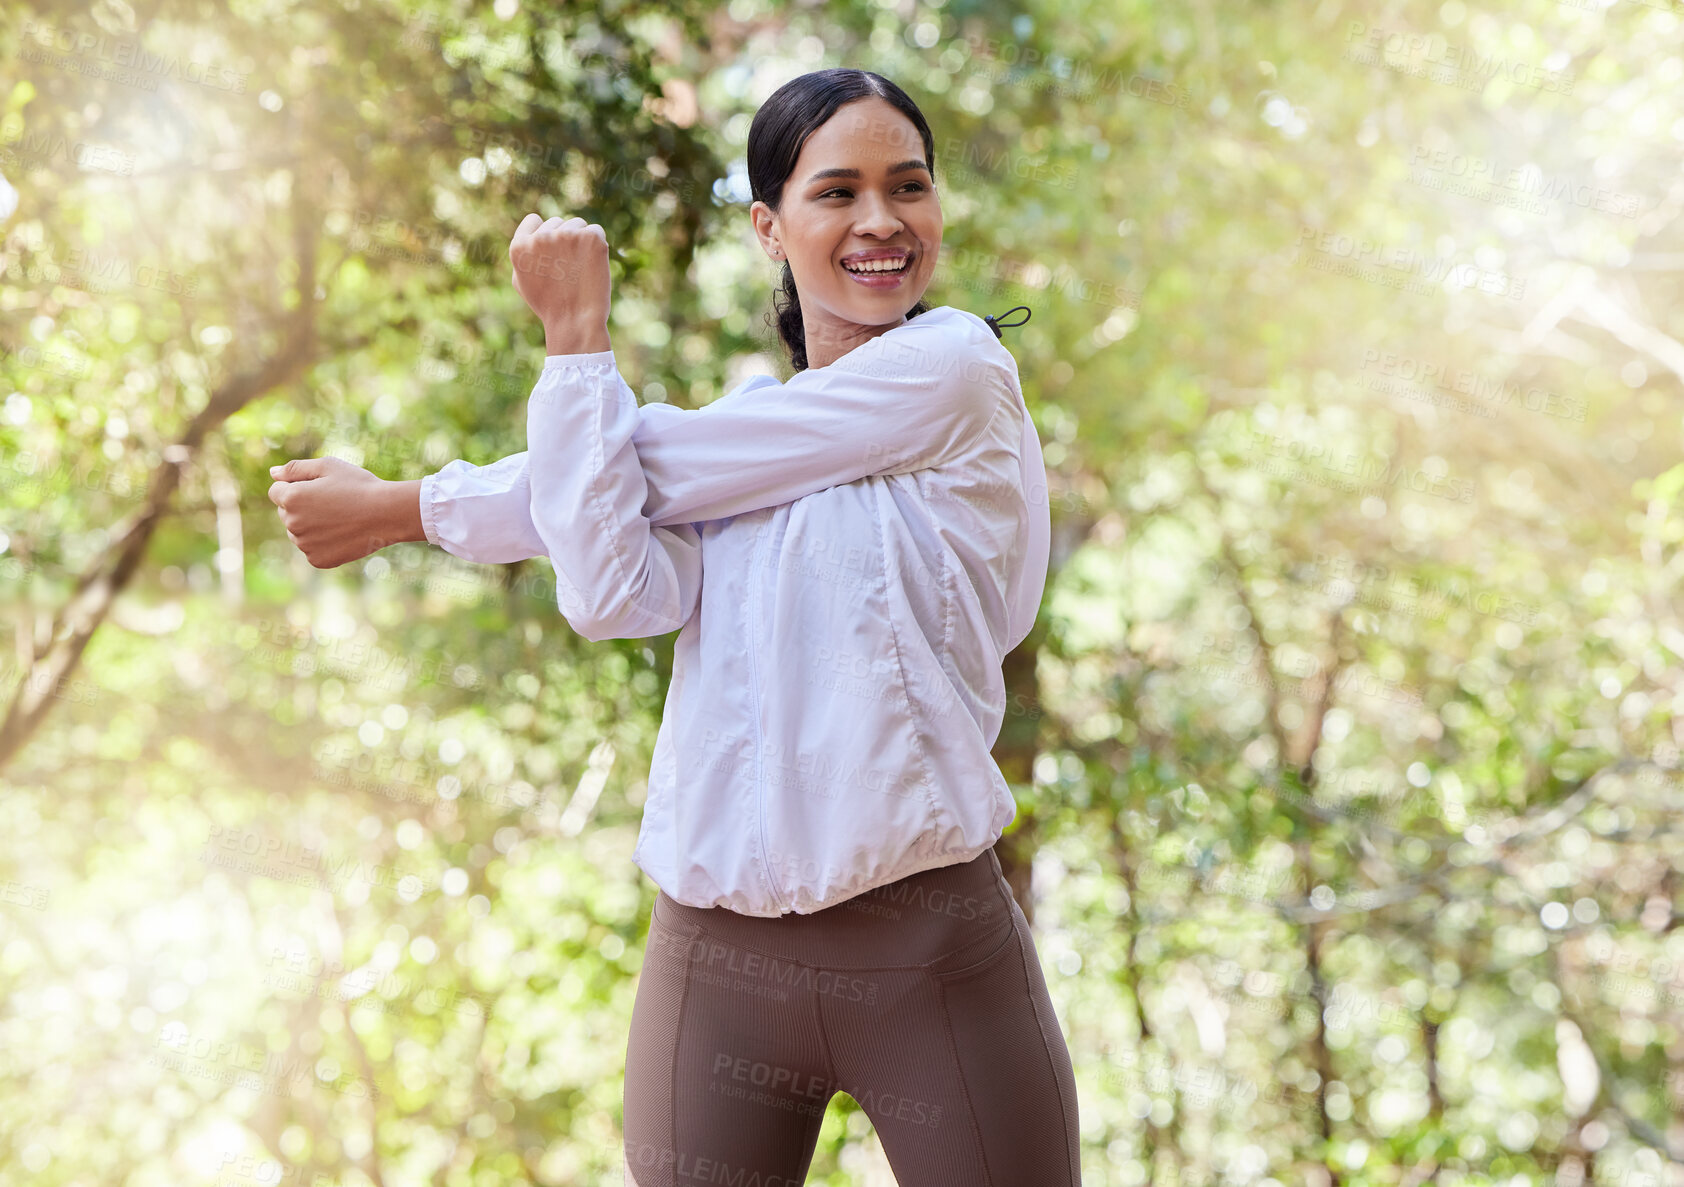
[(561, 272), (336, 513)]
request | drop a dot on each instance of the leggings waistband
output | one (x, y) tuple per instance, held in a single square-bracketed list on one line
[(913, 921)]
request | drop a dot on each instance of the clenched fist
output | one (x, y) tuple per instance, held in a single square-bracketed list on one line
[(336, 513), (561, 272)]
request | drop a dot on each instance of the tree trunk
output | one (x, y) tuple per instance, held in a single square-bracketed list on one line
[(1323, 1055), (1015, 751)]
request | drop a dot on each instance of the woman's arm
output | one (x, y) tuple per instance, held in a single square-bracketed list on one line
[(908, 399), (617, 577), (912, 397), (481, 513)]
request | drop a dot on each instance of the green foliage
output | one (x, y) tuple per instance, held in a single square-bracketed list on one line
[(1351, 725)]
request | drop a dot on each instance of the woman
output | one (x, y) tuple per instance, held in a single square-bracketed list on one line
[(822, 803)]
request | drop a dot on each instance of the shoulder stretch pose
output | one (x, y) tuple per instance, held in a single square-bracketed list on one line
[(822, 805)]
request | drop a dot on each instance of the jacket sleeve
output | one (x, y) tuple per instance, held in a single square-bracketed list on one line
[(913, 397), (482, 513), (617, 576)]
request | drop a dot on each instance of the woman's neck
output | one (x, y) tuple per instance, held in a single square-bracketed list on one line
[(831, 338)]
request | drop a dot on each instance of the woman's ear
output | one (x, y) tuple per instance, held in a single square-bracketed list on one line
[(765, 229)]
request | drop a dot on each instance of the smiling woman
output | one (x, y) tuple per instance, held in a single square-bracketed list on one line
[(823, 802), (841, 164)]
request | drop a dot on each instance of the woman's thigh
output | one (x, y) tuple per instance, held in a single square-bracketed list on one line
[(726, 1075), (962, 1068)]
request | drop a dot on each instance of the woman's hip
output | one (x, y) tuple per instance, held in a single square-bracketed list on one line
[(910, 922)]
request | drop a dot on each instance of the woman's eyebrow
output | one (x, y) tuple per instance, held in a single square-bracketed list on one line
[(822, 174)]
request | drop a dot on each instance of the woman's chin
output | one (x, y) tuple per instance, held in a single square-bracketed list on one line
[(875, 307)]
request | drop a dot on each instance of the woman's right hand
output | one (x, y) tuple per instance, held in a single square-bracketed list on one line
[(336, 513)]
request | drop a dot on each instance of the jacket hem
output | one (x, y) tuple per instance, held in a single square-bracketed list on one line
[(895, 874), (952, 857)]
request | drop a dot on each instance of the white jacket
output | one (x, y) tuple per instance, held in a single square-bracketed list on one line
[(875, 537)]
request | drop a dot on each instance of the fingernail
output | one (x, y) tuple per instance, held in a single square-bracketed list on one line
[(274, 470)]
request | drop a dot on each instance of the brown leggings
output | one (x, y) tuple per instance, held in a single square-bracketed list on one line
[(923, 1000)]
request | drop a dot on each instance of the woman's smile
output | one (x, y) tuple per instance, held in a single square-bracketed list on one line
[(880, 272)]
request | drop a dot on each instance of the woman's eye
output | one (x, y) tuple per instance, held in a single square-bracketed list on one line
[(916, 186)]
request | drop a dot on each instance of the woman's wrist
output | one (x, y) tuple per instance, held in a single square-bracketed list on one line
[(400, 516), (576, 336)]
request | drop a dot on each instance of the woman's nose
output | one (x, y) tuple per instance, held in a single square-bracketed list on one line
[(876, 217)]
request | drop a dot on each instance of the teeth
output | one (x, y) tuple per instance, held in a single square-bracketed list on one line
[(878, 265)]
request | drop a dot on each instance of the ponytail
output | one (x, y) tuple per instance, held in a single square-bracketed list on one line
[(787, 303)]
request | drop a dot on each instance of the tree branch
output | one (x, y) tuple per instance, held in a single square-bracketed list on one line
[(91, 599)]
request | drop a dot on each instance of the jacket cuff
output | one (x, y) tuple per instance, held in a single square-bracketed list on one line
[(429, 516), (552, 361)]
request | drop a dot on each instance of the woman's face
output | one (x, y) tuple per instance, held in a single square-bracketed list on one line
[(859, 189)]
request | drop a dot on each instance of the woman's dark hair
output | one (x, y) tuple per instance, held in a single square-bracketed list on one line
[(794, 112)]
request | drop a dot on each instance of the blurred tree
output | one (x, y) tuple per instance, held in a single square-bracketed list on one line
[(1346, 747)]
